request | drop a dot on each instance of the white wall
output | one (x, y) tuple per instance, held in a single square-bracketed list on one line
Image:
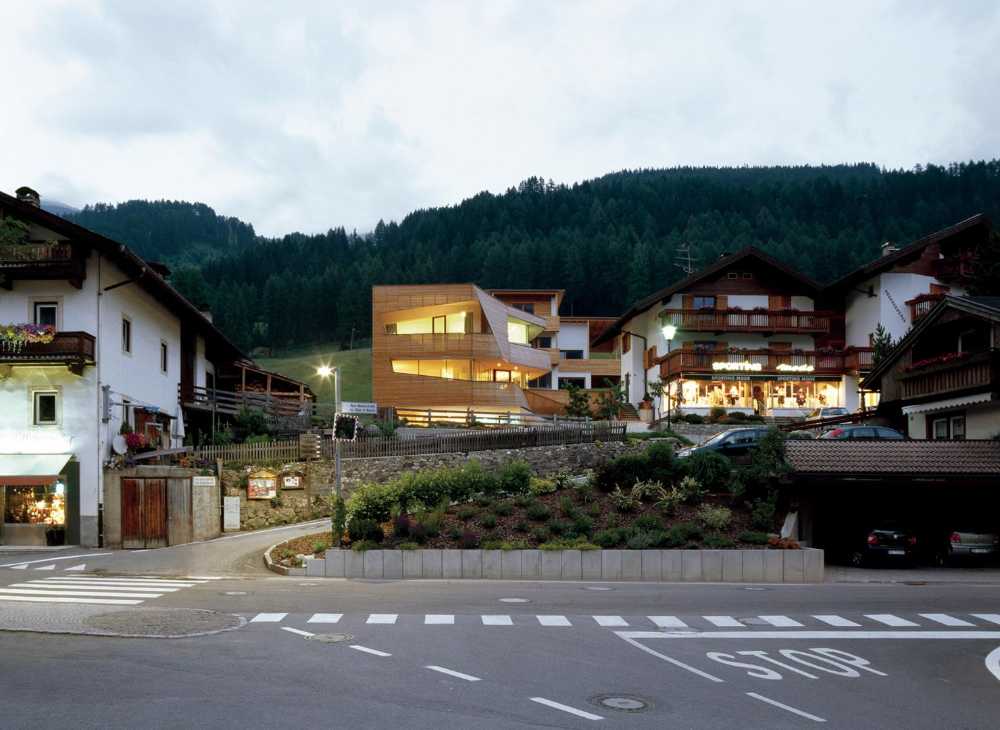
[(574, 337), (888, 306), (982, 421)]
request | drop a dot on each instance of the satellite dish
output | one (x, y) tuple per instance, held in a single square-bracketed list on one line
[(118, 444)]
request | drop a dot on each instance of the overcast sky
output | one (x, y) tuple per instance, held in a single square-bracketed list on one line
[(304, 116)]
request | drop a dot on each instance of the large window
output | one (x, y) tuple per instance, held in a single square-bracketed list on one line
[(448, 369), (571, 354), (517, 332), (45, 407), (35, 505), (948, 426), (761, 395), (457, 323), (703, 302)]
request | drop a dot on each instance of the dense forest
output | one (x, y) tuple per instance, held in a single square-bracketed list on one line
[(607, 241)]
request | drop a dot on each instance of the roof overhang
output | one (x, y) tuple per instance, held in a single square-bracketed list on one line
[(943, 405)]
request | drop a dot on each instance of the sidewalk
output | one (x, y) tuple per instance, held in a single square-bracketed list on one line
[(973, 575)]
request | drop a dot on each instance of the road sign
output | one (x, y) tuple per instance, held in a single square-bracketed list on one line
[(358, 408)]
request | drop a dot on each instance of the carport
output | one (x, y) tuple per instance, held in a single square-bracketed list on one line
[(932, 487)]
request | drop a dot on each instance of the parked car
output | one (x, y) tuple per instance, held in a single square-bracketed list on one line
[(884, 544), (859, 431), (735, 443), (968, 542), (827, 412)]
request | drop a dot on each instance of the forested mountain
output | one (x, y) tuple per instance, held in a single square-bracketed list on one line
[(607, 241)]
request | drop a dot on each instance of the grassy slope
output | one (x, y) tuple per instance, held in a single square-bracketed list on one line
[(301, 364)]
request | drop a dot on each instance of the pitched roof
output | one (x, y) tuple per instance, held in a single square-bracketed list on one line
[(893, 458), (985, 307), (718, 265), (145, 274), (882, 263)]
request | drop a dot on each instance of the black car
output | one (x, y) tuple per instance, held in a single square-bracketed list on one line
[(735, 443), (885, 544), (859, 431)]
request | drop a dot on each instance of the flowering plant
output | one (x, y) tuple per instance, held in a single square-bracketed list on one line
[(136, 441), (936, 360), (13, 337)]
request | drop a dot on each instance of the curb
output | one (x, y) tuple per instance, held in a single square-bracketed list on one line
[(280, 569)]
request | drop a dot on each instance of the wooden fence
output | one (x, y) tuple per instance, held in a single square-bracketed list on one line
[(466, 441)]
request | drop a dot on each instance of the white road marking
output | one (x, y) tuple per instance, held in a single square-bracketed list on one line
[(19, 567), (668, 622), (724, 621), (18, 563), (993, 662), (788, 708), (439, 618), (610, 621), (993, 618), (204, 577), (889, 619), (946, 620), (553, 621), (70, 586), (325, 618), (46, 567), (366, 650), (57, 599), (452, 673), (627, 635), (382, 618), (268, 618), (497, 621), (780, 621), (836, 621), (566, 708), (808, 634), (88, 594), (81, 566), (126, 581), (299, 632)]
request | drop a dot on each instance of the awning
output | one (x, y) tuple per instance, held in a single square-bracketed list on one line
[(30, 469), (942, 405)]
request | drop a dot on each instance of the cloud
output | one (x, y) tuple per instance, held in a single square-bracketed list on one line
[(310, 115)]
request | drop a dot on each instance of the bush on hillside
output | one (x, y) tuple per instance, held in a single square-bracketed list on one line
[(712, 470)]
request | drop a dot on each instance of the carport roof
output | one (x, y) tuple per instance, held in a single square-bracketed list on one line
[(893, 458)]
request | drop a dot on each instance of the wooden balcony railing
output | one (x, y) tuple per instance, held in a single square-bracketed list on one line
[(19, 254), (859, 359), (750, 320), (50, 261), (74, 349), (969, 373), (766, 361), (921, 305)]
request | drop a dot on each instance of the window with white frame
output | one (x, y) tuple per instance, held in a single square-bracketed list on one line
[(164, 361), (45, 407), (46, 313), (126, 335)]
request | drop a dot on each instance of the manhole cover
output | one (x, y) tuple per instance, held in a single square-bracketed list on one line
[(331, 638), (598, 588), (513, 600), (162, 623), (234, 593), (622, 703)]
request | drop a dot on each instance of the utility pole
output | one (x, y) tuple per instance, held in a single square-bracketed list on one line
[(336, 400)]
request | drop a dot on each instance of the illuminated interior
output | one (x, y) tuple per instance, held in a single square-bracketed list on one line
[(521, 333), (39, 505), (468, 370), (457, 323), (758, 395)]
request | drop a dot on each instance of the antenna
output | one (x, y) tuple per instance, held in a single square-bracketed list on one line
[(685, 262)]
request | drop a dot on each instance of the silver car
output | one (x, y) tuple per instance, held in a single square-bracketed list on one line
[(972, 542)]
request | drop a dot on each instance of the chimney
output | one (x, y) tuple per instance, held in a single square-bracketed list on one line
[(888, 248), (29, 196), (208, 315)]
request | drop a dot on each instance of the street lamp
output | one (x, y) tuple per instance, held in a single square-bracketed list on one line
[(669, 332), (324, 372)]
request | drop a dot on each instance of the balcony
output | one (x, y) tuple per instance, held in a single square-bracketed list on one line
[(859, 359), (41, 261), (767, 321), (784, 363), (73, 349), (950, 377), (921, 305)]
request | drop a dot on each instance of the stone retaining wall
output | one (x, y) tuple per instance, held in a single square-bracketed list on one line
[(715, 566)]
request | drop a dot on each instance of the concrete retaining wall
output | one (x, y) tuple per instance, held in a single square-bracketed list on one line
[(714, 566)]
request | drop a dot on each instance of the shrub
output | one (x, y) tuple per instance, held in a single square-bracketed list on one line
[(514, 477), (566, 506), (401, 526), (539, 486), (711, 469), (576, 544), (649, 522), (585, 492), (609, 538), (718, 541), (521, 526), (715, 518), (560, 527), (753, 537), (644, 540), (504, 545), (485, 501), (663, 467), (469, 540), (645, 490), (624, 501), (418, 532), (540, 534), (562, 480), (694, 418), (524, 500), (338, 519), (408, 546), (667, 501), (467, 513), (621, 472), (538, 512), (364, 530), (319, 546), (489, 521), (690, 490), (503, 509), (683, 533), (738, 417), (594, 509), (374, 502), (361, 545), (762, 513), (454, 533), (716, 414), (583, 525), (430, 524)]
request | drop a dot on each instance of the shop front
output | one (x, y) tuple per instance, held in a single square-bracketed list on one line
[(765, 395), (39, 499)]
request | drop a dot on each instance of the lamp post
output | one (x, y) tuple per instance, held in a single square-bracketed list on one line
[(325, 371), (669, 332)]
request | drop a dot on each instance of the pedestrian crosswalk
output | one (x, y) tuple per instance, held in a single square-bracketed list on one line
[(97, 589), (647, 623)]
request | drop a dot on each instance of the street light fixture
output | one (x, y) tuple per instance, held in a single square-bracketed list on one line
[(669, 332)]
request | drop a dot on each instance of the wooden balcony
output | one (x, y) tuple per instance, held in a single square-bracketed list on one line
[(783, 321), (921, 305), (976, 372), (73, 349), (48, 261), (785, 363), (858, 359), (287, 413)]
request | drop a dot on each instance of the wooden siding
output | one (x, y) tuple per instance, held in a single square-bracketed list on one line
[(751, 320)]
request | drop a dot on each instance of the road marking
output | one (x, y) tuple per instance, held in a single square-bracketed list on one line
[(452, 673), (382, 618), (17, 564), (90, 594), (566, 708), (946, 620), (87, 586), (439, 618), (780, 621), (46, 567), (268, 618), (553, 621), (889, 620), (668, 622), (626, 635), (366, 650), (325, 618), (299, 632), (204, 577), (81, 566), (724, 621), (19, 567), (993, 618), (993, 662), (56, 599), (837, 621), (808, 634), (123, 581), (497, 621), (788, 708), (610, 621)]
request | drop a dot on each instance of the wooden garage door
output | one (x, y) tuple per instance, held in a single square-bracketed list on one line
[(144, 513)]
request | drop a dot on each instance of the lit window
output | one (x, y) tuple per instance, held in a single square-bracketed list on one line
[(517, 332), (126, 335), (46, 408)]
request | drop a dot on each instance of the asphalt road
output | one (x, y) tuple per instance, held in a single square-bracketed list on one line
[(480, 654)]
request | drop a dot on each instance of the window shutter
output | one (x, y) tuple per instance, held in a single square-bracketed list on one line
[(722, 301), (688, 301)]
